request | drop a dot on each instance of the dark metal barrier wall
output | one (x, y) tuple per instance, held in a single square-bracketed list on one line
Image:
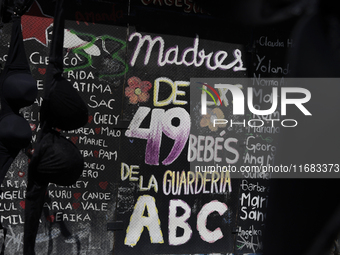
[(135, 196)]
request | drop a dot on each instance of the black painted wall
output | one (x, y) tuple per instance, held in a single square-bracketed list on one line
[(125, 173)]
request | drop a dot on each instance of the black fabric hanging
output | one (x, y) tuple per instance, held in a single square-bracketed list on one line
[(55, 158), (17, 89), (303, 214), (62, 106)]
